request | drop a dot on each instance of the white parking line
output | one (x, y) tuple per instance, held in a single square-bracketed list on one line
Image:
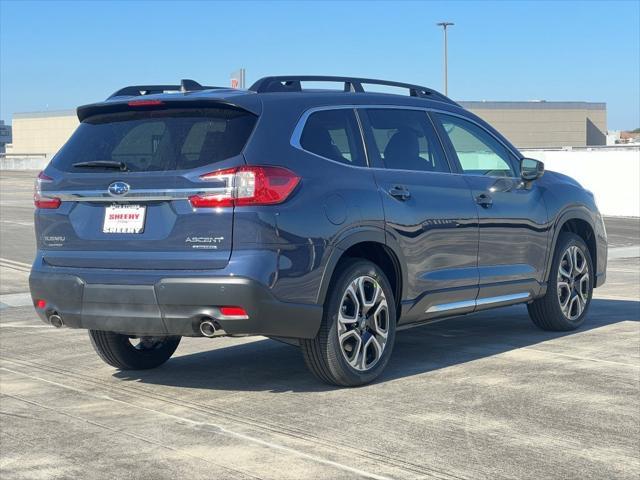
[(15, 269), (16, 299), (22, 224), (16, 266), (578, 357), (623, 252), (15, 262), (15, 325)]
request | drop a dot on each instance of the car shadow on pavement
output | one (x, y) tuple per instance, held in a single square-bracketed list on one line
[(268, 365)]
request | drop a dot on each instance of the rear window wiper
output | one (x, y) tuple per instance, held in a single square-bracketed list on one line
[(103, 164)]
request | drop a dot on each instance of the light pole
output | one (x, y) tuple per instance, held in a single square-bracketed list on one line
[(444, 26)]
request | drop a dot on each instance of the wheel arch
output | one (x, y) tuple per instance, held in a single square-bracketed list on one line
[(368, 245), (580, 222)]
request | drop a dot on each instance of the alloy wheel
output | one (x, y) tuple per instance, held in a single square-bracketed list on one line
[(573, 282), (363, 323)]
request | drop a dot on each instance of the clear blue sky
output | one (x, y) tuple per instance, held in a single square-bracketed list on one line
[(57, 55)]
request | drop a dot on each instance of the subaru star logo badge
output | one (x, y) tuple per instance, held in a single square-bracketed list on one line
[(118, 188)]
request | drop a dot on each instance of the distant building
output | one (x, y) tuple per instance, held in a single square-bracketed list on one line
[(540, 124), (42, 132), (526, 124), (632, 137), (5, 135)]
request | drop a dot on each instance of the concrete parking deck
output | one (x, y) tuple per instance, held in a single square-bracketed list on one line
[(482, 396)]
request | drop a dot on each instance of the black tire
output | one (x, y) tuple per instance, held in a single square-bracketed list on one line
[(324, 354), (118, 351), (546, 312)]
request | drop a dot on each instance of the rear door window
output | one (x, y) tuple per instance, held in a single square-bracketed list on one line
[(405, 140), (158, 140), (334, 134)]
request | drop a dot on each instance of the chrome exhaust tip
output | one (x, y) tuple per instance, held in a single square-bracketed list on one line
[(56, 320), (207, 328)]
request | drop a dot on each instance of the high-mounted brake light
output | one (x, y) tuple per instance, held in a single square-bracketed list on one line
[(250, 185), (41, 201), (145, 103)]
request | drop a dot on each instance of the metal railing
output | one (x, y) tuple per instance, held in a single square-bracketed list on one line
[(22, 155)]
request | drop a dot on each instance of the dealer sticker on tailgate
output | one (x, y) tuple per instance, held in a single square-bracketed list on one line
[(124, 219)]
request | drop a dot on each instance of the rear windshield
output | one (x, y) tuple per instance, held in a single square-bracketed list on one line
[(157, 140)]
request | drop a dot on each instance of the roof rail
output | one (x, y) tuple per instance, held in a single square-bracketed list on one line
[(291, 83), (186, 85)]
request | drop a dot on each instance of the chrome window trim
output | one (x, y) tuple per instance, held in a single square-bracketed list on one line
[(140, 195), (297, 132), (419, 172), (296, 136)]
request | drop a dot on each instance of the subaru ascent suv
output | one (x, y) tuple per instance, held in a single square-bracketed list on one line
[(327, 218)]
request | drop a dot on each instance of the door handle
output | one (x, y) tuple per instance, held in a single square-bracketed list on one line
[(484, 200), (400, 192)]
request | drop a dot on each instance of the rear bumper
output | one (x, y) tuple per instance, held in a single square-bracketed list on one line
[(171, 306)]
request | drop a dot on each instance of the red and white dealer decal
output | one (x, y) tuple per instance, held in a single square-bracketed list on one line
[(124, 219)]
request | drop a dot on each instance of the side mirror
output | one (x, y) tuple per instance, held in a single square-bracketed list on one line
[(531, 169)]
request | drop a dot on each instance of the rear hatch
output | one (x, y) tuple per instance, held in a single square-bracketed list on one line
[(121, 188)]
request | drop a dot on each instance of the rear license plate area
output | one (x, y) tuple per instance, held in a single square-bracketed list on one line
[(124, 219)]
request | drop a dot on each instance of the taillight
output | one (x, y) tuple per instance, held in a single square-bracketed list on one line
[(46, 202), (42, 201), (250, 185), (211, 201)]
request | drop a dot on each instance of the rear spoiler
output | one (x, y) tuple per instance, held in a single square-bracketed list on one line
[(86, 111), (162, 97)]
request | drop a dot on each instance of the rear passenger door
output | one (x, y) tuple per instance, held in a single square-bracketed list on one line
[(429, 213), (512, 216)]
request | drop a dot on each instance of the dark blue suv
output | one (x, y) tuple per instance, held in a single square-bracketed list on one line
[(325, 218)]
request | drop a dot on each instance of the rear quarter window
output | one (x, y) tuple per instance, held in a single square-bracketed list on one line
[(334, 134), (158, 140)]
